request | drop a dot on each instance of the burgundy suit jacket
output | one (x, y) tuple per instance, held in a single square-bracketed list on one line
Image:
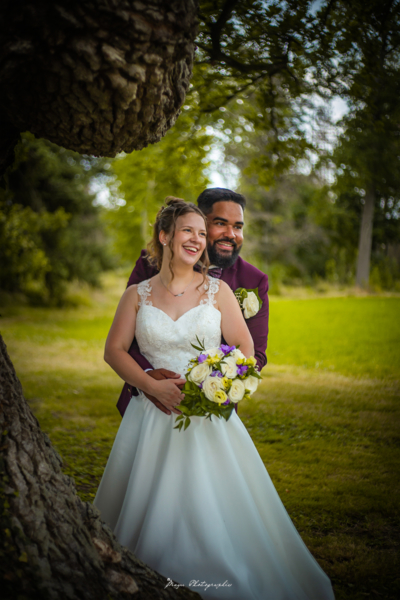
[(241, 274)]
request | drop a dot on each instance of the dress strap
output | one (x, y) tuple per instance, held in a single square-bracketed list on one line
[(212, 287), (144, 291)]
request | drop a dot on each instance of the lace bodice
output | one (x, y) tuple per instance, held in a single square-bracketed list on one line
[(167, 343)]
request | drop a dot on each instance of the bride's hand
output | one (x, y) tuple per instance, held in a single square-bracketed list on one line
[(168, 393)]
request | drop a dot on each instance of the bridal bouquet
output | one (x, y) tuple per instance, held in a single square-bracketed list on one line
[(215, 381)]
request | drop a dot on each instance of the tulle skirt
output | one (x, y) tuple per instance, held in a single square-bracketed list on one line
[(199, 507)]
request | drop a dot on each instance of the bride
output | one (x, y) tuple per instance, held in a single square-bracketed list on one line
[(198, 506)]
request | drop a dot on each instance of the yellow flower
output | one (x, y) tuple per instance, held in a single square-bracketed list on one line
[(220, 397), (226, 382), (251, 361), (211, 360)]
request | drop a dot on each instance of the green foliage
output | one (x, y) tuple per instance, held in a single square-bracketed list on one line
[(250, 75), (362, 65), (23, 260), (173, 167), (257, 66), (352, 181), (245, 45), (50, 230), (288, 223)]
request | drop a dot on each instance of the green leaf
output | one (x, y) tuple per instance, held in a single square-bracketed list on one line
[(200, 347), (197, 347), (242, 293)]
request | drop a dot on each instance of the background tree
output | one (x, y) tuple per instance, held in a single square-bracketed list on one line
[(277, 55), (287, 210), (250, 73), (358, 57), (243, 44), (175, 166), (50, 230)]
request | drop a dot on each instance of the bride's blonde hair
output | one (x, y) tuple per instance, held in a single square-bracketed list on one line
[(166, 221)]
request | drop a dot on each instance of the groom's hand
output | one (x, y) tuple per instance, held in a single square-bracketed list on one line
[(159, 374)]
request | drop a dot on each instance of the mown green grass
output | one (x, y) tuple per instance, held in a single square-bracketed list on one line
[(325, 420), (355, 336)]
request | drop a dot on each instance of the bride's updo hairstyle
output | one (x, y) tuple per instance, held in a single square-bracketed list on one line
[(166, 221)]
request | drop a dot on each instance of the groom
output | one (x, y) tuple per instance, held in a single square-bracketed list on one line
[(224, 211)]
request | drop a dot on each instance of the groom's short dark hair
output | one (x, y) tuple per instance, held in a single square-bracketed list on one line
[(209, 197)]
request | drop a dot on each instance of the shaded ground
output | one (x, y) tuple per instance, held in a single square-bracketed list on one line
[(330, 440)]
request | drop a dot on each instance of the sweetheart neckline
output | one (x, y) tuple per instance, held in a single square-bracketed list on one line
[(185, 313)]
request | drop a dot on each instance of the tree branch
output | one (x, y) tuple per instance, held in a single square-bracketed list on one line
[(217, 55), (226, 13), (267, 68)]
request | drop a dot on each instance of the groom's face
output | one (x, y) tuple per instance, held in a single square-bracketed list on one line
[(225, 233)]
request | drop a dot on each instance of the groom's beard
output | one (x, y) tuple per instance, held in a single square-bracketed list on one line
[(220, 259)]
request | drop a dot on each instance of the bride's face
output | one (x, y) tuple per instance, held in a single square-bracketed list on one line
[(189, 240)]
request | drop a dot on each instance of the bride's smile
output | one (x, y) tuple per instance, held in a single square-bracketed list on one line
[(188, 240)]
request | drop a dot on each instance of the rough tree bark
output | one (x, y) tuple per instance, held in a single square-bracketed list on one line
[(98, 77), (365, 240), (95, 76), (53, 545)]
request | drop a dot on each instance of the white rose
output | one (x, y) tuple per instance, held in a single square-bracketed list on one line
[(237, 390), (212, 385), (229, 367), (238, 355), (251, 383), (251, 305), (199, 373), (214, 351)]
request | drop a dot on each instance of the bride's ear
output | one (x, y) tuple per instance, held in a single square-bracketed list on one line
[(163, 238)]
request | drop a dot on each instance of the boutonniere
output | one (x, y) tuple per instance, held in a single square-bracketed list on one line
[(249, 301)]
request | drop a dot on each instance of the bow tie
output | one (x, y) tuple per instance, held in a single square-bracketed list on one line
[(213, 272)]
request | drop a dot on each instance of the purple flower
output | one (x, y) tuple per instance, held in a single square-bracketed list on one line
[(241, 369), (226, 349), (202, 358), (227, 402), (216, 374), (201, 386)]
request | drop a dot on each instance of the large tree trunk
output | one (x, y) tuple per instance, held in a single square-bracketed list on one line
[(365, 240), (95, 76), (53, 545)]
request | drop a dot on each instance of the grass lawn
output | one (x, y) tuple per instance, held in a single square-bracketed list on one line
[(325, 419)]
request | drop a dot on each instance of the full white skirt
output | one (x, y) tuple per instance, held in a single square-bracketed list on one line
[(199, 506)]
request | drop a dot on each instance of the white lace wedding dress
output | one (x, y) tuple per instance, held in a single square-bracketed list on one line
[(198, 506)]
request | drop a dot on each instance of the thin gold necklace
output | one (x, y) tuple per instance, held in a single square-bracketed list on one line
[(181, 294)]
